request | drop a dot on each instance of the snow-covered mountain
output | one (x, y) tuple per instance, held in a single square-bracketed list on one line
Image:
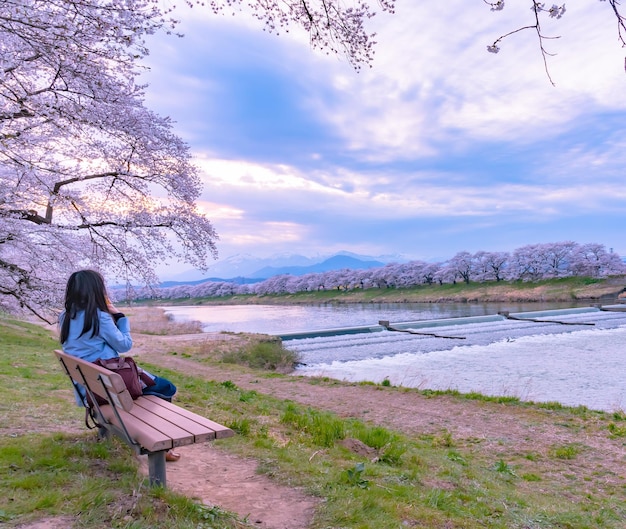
[(240, 265)]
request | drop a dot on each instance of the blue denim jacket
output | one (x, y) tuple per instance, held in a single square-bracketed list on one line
[(108, 343)]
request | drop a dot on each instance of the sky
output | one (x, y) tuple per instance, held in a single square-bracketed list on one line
[(440, 147)]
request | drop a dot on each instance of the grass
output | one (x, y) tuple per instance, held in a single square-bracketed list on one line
[(367, 476), (257, 351), (64, 475), (32, 388)]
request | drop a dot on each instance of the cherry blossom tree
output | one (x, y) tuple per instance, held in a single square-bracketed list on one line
[(362, 278), (336, 26), (490, 266), (558, 258), (384, 276), (429, 273), (309, 282), (408, 274), (593, 260), (532, 262), (88, 175), (463, 265), (527, 263), (542, 261)]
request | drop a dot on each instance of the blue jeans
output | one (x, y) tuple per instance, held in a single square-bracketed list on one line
[(162, 388)]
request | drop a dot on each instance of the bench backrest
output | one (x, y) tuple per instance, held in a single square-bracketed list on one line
[(96, 378)]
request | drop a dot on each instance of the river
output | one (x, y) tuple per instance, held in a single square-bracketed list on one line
[(575, 354), (281, 319)]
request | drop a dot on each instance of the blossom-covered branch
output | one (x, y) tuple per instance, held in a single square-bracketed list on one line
[(336, 26)]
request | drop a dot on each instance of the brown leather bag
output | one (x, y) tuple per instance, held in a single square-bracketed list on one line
[(130, 373)]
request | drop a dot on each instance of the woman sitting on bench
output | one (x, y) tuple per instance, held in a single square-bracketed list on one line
[(91, 328)]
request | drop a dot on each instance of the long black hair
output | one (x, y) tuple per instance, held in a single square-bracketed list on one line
[(85, 291)]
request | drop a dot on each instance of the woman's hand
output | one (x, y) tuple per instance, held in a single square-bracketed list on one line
[(110, 307)]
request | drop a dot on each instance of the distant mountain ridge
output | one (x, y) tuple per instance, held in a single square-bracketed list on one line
[(337, 262), (237, 280), (244, 268)]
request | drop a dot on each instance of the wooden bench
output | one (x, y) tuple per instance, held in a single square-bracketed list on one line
[(150, 425)]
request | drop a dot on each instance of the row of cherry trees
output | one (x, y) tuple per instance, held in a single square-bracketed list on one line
[(528, 263)]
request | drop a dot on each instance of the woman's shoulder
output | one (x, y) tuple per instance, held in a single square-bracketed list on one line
[(104, 315), (74, 315)]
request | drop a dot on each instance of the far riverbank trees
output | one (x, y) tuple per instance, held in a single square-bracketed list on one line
[(532, 262)]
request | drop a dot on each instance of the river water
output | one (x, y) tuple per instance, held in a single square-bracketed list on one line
[(573, 355), (281, 319)]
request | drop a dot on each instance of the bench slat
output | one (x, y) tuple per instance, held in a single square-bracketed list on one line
[(179, 436), (95, 376), (200, 432), (149, 438), (221, 432)]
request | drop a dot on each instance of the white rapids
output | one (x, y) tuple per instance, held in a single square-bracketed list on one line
[(573, 362)]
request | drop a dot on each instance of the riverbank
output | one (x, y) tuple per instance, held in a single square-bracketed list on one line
[(555, 290), (397, 458)]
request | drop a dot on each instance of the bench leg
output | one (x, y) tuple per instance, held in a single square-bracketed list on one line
[(103, 433), (156, 468)]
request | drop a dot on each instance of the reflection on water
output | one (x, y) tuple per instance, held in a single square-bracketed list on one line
[(283, 319)]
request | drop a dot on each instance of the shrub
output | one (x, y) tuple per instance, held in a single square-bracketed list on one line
[(266, 354)]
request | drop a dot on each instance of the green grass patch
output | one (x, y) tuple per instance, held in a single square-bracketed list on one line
[(95, 481), (617, 431), (568, 451), (32, 386)]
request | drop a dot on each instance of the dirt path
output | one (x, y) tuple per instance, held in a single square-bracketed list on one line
[(202, 471), (215, 477)]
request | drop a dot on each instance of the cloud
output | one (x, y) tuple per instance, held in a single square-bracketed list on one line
[(576, 159), (434, 82), (281, 192), (440, 147)]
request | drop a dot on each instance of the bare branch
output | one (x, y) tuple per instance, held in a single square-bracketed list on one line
[(621, 21), (537, 8)]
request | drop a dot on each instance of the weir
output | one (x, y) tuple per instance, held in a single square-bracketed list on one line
[(540, 361), (427, 324), (331, 332)]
